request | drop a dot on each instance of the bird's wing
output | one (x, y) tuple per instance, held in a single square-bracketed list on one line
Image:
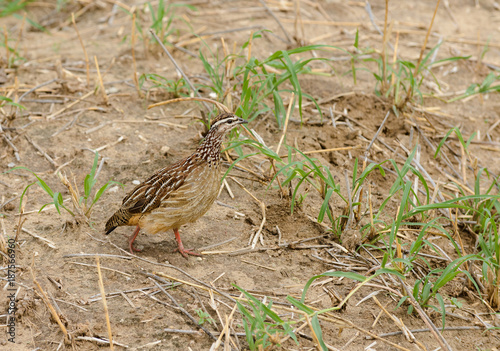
[(148, 195)]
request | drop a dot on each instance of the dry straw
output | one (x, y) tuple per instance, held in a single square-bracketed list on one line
[(104, 303)]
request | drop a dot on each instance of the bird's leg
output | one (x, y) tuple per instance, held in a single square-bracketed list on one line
[(131, 240), (184, 252)]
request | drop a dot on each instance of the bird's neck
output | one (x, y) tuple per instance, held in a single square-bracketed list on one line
[(209, 150)]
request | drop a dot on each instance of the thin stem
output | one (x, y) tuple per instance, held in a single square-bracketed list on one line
[(417, 67)]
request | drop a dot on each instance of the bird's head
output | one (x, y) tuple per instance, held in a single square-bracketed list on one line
[(225, 122)]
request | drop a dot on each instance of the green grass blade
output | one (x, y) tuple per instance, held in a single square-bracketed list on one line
[(87, 186), (301, 306), (324, 206), (24, 193), (317, 330), (55, 199), (104, 188), (440, 300)]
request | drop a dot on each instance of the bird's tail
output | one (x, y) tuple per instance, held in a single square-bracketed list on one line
[(121, 217), (109, 228)]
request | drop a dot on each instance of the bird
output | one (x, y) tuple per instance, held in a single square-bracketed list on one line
[(179, 193)]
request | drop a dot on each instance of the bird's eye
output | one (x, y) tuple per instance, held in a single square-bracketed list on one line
[(230, 121)]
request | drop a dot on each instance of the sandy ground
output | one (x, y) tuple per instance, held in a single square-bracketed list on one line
[(134, 142)]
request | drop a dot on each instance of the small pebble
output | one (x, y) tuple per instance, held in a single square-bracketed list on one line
[(136, 182), (199, 258), (112, 90), (10, 165), (9, 207), (165, 149)]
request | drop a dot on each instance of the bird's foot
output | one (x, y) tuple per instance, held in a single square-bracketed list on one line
[(132, 248), (185, 252), (131, 240)]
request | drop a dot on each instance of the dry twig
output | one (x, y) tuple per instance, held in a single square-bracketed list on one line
[(104, 303)]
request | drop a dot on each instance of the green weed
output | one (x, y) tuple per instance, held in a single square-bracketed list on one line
[(5, 101), (417, 210), (318, 176), (263, 327), (484, 209), (259, 83), (400, 81), (83, 204), (296, 172), (259, 80), (161, 20), (10, 7), (203, 317), (216, 71), (485, 87), (315, 315), (177, 88)]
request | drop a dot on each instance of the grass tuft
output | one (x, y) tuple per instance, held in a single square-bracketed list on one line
[(82, 204)]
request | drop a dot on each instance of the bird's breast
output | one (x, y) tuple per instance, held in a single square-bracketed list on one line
[(189, 202)]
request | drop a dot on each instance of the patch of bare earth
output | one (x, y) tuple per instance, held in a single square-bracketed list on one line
[(67, 121)]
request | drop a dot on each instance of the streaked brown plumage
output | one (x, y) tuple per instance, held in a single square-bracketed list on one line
[(177, 194)]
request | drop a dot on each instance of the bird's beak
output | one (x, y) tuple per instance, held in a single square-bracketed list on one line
[(241, 121)]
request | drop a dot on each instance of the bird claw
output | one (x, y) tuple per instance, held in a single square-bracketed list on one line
[(185, 252), (131, 240), (133, 249)]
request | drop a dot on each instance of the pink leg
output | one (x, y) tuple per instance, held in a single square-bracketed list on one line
[(184, 252), (131, 240)]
